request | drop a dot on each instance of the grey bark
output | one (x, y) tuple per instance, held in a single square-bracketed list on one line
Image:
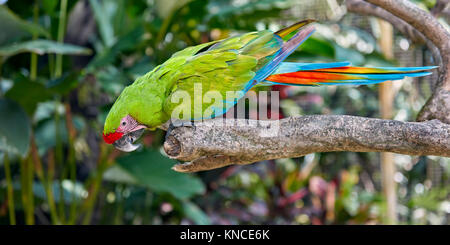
[(217, 143)]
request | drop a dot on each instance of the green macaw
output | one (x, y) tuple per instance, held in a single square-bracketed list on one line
[(234, 64)]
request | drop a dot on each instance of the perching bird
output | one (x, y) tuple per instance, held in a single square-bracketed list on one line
[(233, 64)]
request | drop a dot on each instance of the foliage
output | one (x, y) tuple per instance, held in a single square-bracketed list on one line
[(14, 128), (53, 112), (157, 176)]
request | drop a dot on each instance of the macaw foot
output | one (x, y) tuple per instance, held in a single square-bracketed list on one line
[(175, 123)]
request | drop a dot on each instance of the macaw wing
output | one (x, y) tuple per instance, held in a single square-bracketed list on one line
[(211, 81)]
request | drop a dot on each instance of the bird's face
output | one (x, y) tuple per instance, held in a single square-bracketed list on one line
[(126, 133)]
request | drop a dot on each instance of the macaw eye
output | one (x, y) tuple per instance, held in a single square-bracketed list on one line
[(124, 123)]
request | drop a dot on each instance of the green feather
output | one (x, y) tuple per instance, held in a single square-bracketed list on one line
[(226, 65)]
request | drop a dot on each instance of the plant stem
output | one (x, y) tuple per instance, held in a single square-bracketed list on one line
[(59, 161), (60, 38), (33, 63), (71, 161), (119, 208), (30, 177), (147, 208), (24, 186), (58, 73), (1, 65), (51, 65), (73, 177), (49, 187), (10, 191), (33, 67), (61, 203), (88, 205), (25, 164)]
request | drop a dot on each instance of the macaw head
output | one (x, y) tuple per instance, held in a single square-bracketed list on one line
[(122, 128), (137, 108), (125, 134)]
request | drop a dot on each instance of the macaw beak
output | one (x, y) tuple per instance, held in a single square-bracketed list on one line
[(126, 142)]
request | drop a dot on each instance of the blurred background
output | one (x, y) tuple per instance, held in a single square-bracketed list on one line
[(63, 64)]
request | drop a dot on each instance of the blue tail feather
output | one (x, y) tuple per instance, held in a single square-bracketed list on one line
[(339, 73), (286, 67)]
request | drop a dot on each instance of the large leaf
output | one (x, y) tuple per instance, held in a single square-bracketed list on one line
[(15, 128), (43, 47), (107, 56), (35, 93), (13, 28), (45, 134), (317, 47), (246, 14), (65, 83), (140, 68), (104, 13), (75, 192), (194, 213), (151, 169), (49, 6), (112, 80), (118, 174)]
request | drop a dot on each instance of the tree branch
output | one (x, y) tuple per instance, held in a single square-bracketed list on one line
[(365, 8), (423, 21), (438, 105), (218, 142)]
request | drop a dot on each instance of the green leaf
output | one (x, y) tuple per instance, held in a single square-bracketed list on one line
[(35, 93), (244, 16), (165, 7), (112, 80), (151, 169), (194, 213), (71, 192), (14, 28), (45, 134), (348, 54), (15, 128), (108, 55), (64, 84), (104, 15), (117, 174), (140, 68), (317, 47), (49, 6), (43, 47)]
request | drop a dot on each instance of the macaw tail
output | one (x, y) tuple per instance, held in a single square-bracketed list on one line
[(340, 73)]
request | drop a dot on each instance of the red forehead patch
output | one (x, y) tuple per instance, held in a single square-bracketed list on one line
[(112, 137)]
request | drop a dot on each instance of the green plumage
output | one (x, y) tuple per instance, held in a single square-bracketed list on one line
[(226, 65)]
